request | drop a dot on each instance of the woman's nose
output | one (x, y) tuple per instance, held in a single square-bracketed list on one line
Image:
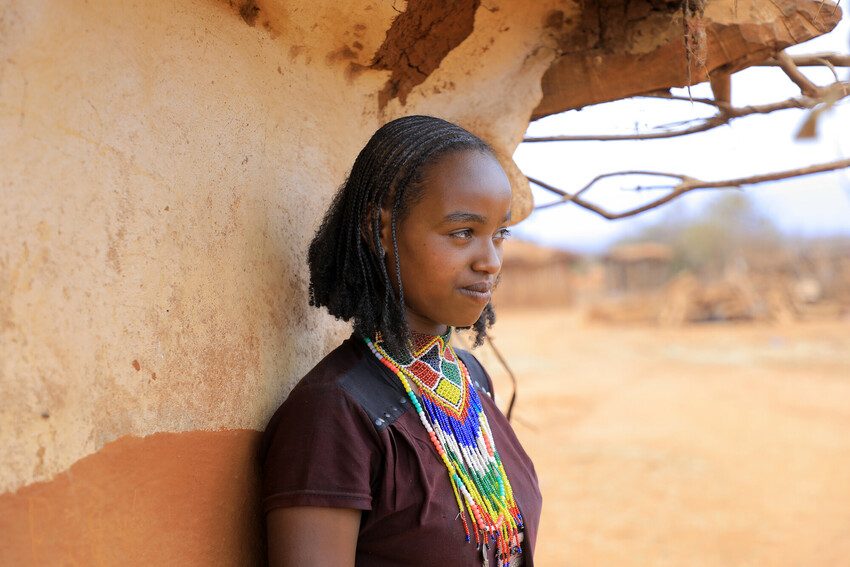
[(489, 259)]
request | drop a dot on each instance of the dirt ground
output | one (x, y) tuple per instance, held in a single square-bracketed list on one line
[(710, 445)]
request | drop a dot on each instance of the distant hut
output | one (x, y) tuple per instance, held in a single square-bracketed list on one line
[(637, 267), (536, 276)]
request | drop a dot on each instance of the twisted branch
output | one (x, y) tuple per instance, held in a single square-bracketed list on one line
[(685, 185)]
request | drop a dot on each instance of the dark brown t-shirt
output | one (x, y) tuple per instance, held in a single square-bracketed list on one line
[(348, 437)]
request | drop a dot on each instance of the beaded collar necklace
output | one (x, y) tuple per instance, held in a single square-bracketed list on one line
[(451, 411)]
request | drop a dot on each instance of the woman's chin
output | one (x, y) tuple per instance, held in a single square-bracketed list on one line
[(462, 318), (466, 322)]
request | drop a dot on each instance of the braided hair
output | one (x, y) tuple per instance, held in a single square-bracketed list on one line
[(348, 274)]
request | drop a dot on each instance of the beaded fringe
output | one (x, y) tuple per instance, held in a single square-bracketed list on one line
[(465, 444)]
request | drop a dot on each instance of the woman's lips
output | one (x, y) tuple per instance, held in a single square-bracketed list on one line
[(478, 292)]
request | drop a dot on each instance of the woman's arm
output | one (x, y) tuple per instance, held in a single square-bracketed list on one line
[(312, 536)]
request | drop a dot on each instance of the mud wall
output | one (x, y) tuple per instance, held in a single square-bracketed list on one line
[(163, 168)]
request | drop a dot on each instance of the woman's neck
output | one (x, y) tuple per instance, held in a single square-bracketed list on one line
[(422, 324), (446, 333)]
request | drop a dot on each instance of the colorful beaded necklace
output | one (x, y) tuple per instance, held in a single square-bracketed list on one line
[(451, 412)]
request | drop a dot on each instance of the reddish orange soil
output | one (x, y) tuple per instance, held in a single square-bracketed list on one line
[(718, 445)]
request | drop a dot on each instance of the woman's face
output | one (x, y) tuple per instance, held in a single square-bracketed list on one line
[(450, 242)]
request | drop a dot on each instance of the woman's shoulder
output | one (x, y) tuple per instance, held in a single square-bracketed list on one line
[(329, 372), (348, 383), (325, 386), (320, 447), (322, 406)]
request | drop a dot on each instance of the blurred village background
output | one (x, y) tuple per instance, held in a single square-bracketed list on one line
[(729, 263)]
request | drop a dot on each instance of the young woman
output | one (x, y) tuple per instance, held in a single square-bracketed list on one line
[(390, 451)]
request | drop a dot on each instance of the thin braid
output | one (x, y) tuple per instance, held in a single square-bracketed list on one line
[(487, 319), (406, 330)]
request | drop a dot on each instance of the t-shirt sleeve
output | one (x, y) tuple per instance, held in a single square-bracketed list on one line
[(320, 449)]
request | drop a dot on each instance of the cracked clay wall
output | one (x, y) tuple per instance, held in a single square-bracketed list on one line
[(162, 168)]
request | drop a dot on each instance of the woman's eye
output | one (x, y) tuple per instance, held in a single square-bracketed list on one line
[(502, 233), (465, 233)]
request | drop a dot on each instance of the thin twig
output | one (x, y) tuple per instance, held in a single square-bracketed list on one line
[(668, 96), (831, 67), (525, 423), (725, 116), (712, 122), (510, 373), (811, 60), (685, 185)]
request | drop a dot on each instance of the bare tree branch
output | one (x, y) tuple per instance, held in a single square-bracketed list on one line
[(707, 124), (832, 68), (726, 115), (818, 99), (667, 95), (787, 65), (812, 60), (721, 86), (833, 93), (685, 185)]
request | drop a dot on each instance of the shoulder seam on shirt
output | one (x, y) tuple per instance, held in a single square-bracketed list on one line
[(374, 392)]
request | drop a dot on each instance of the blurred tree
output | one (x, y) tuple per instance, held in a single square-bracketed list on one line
[(728, 231)]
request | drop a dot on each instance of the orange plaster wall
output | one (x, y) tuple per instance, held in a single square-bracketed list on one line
[(187, 498)]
